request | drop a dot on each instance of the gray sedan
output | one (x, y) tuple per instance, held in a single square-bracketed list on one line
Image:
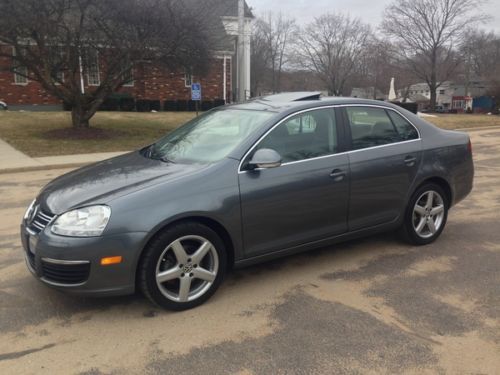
[(241, 185)]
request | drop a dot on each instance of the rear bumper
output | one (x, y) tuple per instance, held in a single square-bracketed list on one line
[(463, 182), (73, 264)]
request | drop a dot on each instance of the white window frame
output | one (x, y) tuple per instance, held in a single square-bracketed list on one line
[(20, 79), (59, 76), (131, 83), (188, 77), (97, 73)]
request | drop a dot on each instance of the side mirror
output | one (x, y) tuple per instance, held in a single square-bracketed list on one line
[(265, 158)]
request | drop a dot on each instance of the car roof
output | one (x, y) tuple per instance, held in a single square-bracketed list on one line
[(278, 103)]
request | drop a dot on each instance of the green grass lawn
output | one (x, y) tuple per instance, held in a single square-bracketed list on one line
[(50, 133), (462, 121)]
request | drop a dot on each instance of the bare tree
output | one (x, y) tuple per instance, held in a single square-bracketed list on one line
[(428, 33), (260, 60), (376, 66), (481, 54), (272, 39), (59, 42), (331, 46)]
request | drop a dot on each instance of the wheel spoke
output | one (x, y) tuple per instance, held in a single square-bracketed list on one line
[(437, 210), (180, 252), (198, 256), (430, 200), (203, 274), (184, 288), (420, 210), (431, 225), (171, 274), (420, 226)]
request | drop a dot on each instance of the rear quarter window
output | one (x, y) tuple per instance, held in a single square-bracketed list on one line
[(406, 131)]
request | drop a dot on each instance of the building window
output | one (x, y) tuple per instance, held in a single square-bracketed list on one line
[(458, 104), (128, 77), (441, 92), (93, 74), (57, 72), (58, 77), (129, 83), (188, 79), (20, 72), (21, 75)]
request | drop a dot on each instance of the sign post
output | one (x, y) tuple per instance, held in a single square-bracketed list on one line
[(196, 95)]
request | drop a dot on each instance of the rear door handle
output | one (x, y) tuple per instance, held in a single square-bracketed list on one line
[(338, 175), (410, 161)]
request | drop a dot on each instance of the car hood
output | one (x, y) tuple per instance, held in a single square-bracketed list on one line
[(106, 180)]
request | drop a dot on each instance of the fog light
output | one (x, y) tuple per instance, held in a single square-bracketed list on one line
[(111, 260)]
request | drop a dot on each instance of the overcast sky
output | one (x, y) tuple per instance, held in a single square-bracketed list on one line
[(368, 10)]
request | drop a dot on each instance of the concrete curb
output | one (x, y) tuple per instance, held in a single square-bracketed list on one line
[(59, 162), (43, 167)]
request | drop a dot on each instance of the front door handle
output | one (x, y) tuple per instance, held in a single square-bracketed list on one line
[(338, 175), (410, 161)]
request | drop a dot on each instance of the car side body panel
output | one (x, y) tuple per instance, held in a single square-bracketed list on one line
[(293, 204), (380, 181)]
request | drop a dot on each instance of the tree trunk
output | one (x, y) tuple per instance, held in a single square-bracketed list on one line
[(83, 111), (79, 118), (433, 81), (433, 99)]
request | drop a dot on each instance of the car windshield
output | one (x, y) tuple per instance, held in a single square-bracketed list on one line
[(208, 138)]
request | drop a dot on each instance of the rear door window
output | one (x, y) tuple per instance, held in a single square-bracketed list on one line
[(371, 127)]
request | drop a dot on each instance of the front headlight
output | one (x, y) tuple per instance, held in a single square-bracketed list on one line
[(82, 222)]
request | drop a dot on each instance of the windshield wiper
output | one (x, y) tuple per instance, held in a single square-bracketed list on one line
[(166, 160), (148, 151)]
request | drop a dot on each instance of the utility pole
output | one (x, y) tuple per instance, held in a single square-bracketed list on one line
[(241, 51)]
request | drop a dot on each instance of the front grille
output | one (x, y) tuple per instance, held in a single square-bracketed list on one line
[(66, 273), (40, 221)]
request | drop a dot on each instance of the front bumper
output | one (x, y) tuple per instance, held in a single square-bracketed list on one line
[(73, 264)]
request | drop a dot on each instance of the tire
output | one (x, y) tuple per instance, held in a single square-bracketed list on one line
[(182, 266), (421, 226)]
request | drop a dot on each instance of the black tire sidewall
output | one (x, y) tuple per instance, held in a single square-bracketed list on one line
[(409, 231), (149, 260)]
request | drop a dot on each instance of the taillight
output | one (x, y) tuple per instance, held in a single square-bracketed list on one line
[(469, 147)]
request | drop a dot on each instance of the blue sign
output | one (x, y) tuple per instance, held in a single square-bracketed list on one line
[(196, 91)]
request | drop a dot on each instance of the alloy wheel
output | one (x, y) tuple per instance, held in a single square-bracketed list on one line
[(187, 268), (428, 214)]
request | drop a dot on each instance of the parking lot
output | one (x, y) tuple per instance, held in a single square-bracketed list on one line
[(366, 306)]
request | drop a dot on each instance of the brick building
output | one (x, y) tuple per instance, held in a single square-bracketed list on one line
[(149, 81)]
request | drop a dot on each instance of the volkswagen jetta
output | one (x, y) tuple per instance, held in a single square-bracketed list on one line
[(243, 184)]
